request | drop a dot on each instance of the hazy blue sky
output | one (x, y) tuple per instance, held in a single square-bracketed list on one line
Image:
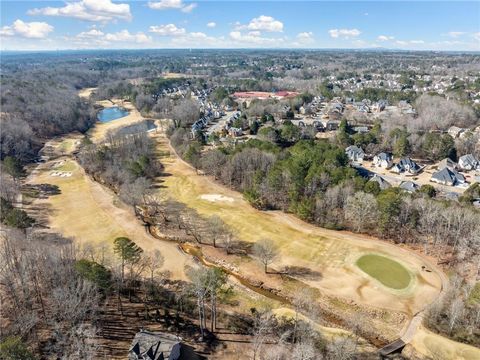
[(81, 24)]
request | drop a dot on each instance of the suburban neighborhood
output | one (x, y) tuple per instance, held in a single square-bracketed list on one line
[(226, 180)]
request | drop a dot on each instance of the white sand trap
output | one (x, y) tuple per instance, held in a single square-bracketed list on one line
[(61, 173), (215, 197), (57, 164)]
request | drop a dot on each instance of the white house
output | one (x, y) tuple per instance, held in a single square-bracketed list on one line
[(355, 154), (406, 165), (447, 163), (409, 186), (383, 160), (468, 162)]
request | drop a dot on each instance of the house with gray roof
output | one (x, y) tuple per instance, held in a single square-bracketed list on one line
[(447, 163), (468, 162), (384, 184), (406, 165), (355, 154), (383, 160), (409, 186), (148, 345), (448, 176)]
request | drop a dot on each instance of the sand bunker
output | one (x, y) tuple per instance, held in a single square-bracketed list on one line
[(215, 197), (61, 173), (57, 164)]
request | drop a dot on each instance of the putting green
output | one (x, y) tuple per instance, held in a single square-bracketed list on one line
[(389, 272)]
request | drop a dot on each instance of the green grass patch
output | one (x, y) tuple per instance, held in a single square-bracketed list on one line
[(475, 294), (67, 166), (389, 272)]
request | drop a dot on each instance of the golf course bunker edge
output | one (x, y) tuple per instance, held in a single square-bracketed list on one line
[(388, 272)]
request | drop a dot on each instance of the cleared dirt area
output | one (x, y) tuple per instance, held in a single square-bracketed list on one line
[(85, 93), (331, 253)]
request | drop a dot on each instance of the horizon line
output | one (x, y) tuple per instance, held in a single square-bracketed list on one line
[(246, 48)]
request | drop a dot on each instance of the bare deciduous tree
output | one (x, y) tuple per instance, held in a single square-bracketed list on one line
[(361, 210), (266, 251), (262, 328)]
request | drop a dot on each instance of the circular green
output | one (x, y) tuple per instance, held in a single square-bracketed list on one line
[(389, 272)]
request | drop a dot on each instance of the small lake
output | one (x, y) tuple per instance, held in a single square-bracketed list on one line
[(111, 113)]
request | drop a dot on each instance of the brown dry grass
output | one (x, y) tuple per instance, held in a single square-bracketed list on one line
[(93, 215), (434, 346), (332, 253)]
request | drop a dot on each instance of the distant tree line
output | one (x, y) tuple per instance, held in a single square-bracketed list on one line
[(39, 104)]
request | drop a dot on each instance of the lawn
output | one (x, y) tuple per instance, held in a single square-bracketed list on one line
[(389, 272), (66, 166)]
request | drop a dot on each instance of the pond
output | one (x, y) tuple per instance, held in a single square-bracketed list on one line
[(111, 113), (389, 272)]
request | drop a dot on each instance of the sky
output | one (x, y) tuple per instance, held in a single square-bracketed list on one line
[(157, 24)]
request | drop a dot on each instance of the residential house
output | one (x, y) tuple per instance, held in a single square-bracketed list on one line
[(384, 184), (468, 162), (447, 163), (355, 154), (318, 125), (406, 165), (406, 108), (148, 345), (409, 186), (383, 160), (448, 176)]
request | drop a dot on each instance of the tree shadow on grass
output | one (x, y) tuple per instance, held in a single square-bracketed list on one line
[(300, 271), (41, 191)]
